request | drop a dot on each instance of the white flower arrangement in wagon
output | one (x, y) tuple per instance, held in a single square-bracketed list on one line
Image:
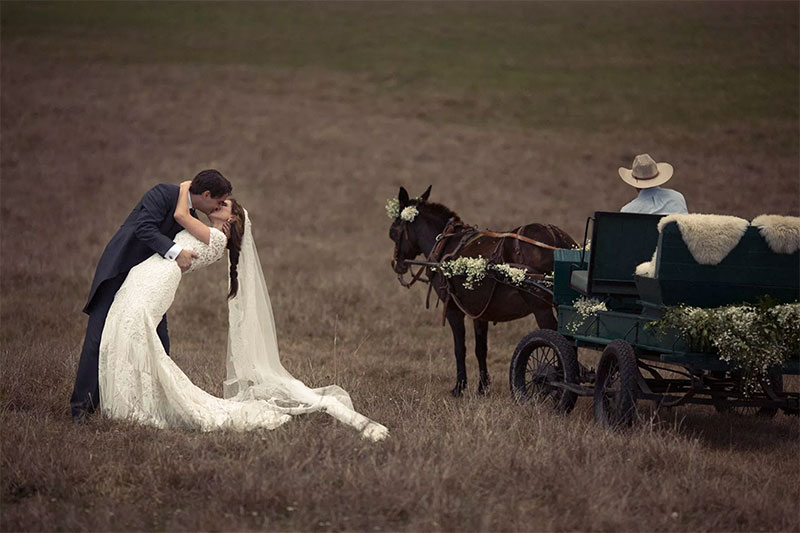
[(752, 338), (587, 308)]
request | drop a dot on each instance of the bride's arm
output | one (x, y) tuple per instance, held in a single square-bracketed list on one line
[(185, 219)]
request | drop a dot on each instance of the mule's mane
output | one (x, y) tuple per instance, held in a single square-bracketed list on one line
[(439, 210)]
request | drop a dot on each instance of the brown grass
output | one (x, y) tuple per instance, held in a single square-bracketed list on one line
[(313, 155)]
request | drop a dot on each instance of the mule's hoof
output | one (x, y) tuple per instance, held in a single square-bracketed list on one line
[(484, 384), (458, 390)]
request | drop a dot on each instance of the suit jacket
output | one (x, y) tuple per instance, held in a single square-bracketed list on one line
[(149, 229)]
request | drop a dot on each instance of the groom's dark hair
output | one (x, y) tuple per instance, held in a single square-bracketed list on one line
[(212, 181)]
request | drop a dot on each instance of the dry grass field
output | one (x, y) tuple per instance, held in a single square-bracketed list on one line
[(317, 113)]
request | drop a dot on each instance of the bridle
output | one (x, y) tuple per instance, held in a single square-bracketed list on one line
[(449, 230), (414, 276)]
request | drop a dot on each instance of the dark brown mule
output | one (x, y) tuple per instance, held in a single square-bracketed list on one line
[(438, 233)]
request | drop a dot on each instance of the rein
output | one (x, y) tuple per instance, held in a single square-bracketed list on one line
[(517, 236), (414, 278)]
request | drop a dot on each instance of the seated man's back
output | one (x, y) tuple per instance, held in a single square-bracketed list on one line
[(647, 176), (656, 201)]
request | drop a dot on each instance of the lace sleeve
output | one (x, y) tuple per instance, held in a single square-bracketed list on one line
[(217, 241), (207, 253)]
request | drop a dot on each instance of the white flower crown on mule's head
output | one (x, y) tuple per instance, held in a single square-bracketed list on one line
[(410, 211), (408, 214)]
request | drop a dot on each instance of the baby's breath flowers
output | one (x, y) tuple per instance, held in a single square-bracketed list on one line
[(393, 208), (515, 275), (473, 268), (751, 338), (476, 268), (586, 308), (409, 213)]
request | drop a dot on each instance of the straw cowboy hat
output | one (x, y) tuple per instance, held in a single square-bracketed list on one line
[(646, 172)]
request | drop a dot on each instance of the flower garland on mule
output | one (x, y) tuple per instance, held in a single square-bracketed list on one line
[(751, 338), (474, 270)]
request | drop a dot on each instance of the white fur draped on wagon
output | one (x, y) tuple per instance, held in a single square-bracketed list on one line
[(710, 238)]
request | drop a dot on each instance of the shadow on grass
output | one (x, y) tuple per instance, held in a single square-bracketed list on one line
[(724, 431)]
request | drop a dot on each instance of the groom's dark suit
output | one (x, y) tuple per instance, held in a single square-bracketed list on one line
[(149, 229)]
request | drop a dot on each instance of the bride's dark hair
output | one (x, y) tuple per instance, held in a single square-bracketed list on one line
[(235, 243)]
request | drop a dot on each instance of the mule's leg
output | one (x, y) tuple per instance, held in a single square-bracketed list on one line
[(545, 318), (481, 349), (456, 320)]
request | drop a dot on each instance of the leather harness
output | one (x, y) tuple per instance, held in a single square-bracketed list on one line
[(468, 234)]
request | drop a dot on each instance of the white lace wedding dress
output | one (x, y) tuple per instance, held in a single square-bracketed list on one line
[(139, 381)]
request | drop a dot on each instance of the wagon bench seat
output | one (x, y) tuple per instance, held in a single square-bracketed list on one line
[(580, 281), (620, 241), (748, 273)]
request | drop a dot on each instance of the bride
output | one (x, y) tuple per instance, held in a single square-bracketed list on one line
[(139, 381)]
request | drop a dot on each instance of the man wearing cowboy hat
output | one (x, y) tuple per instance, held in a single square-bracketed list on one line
[(648, 176)]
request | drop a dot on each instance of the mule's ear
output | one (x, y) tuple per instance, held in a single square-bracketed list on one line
[(426, 193), (403, 197)]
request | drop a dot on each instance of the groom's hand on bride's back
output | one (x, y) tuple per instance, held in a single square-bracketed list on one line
[(185, 259)]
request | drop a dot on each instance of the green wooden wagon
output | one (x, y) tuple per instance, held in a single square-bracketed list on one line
[(639, 362)]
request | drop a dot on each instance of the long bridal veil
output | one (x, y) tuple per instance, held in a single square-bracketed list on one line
[(254, 366)]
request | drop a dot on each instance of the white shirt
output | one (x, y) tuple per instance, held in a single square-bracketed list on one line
[(173, 253), (656, 201)]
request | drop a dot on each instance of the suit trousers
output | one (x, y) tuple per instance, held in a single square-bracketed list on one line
[(86, 394)]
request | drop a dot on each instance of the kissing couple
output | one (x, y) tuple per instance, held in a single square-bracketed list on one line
[(125, 369)]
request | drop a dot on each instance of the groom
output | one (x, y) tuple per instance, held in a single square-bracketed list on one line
[(149, 229)]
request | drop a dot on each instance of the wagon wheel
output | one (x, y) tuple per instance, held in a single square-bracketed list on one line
[(541, 358), (775, 382), (615, 386)]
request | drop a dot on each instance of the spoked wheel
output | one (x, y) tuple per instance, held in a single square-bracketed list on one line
[(775, 382), (541, 359), (615, 386)]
